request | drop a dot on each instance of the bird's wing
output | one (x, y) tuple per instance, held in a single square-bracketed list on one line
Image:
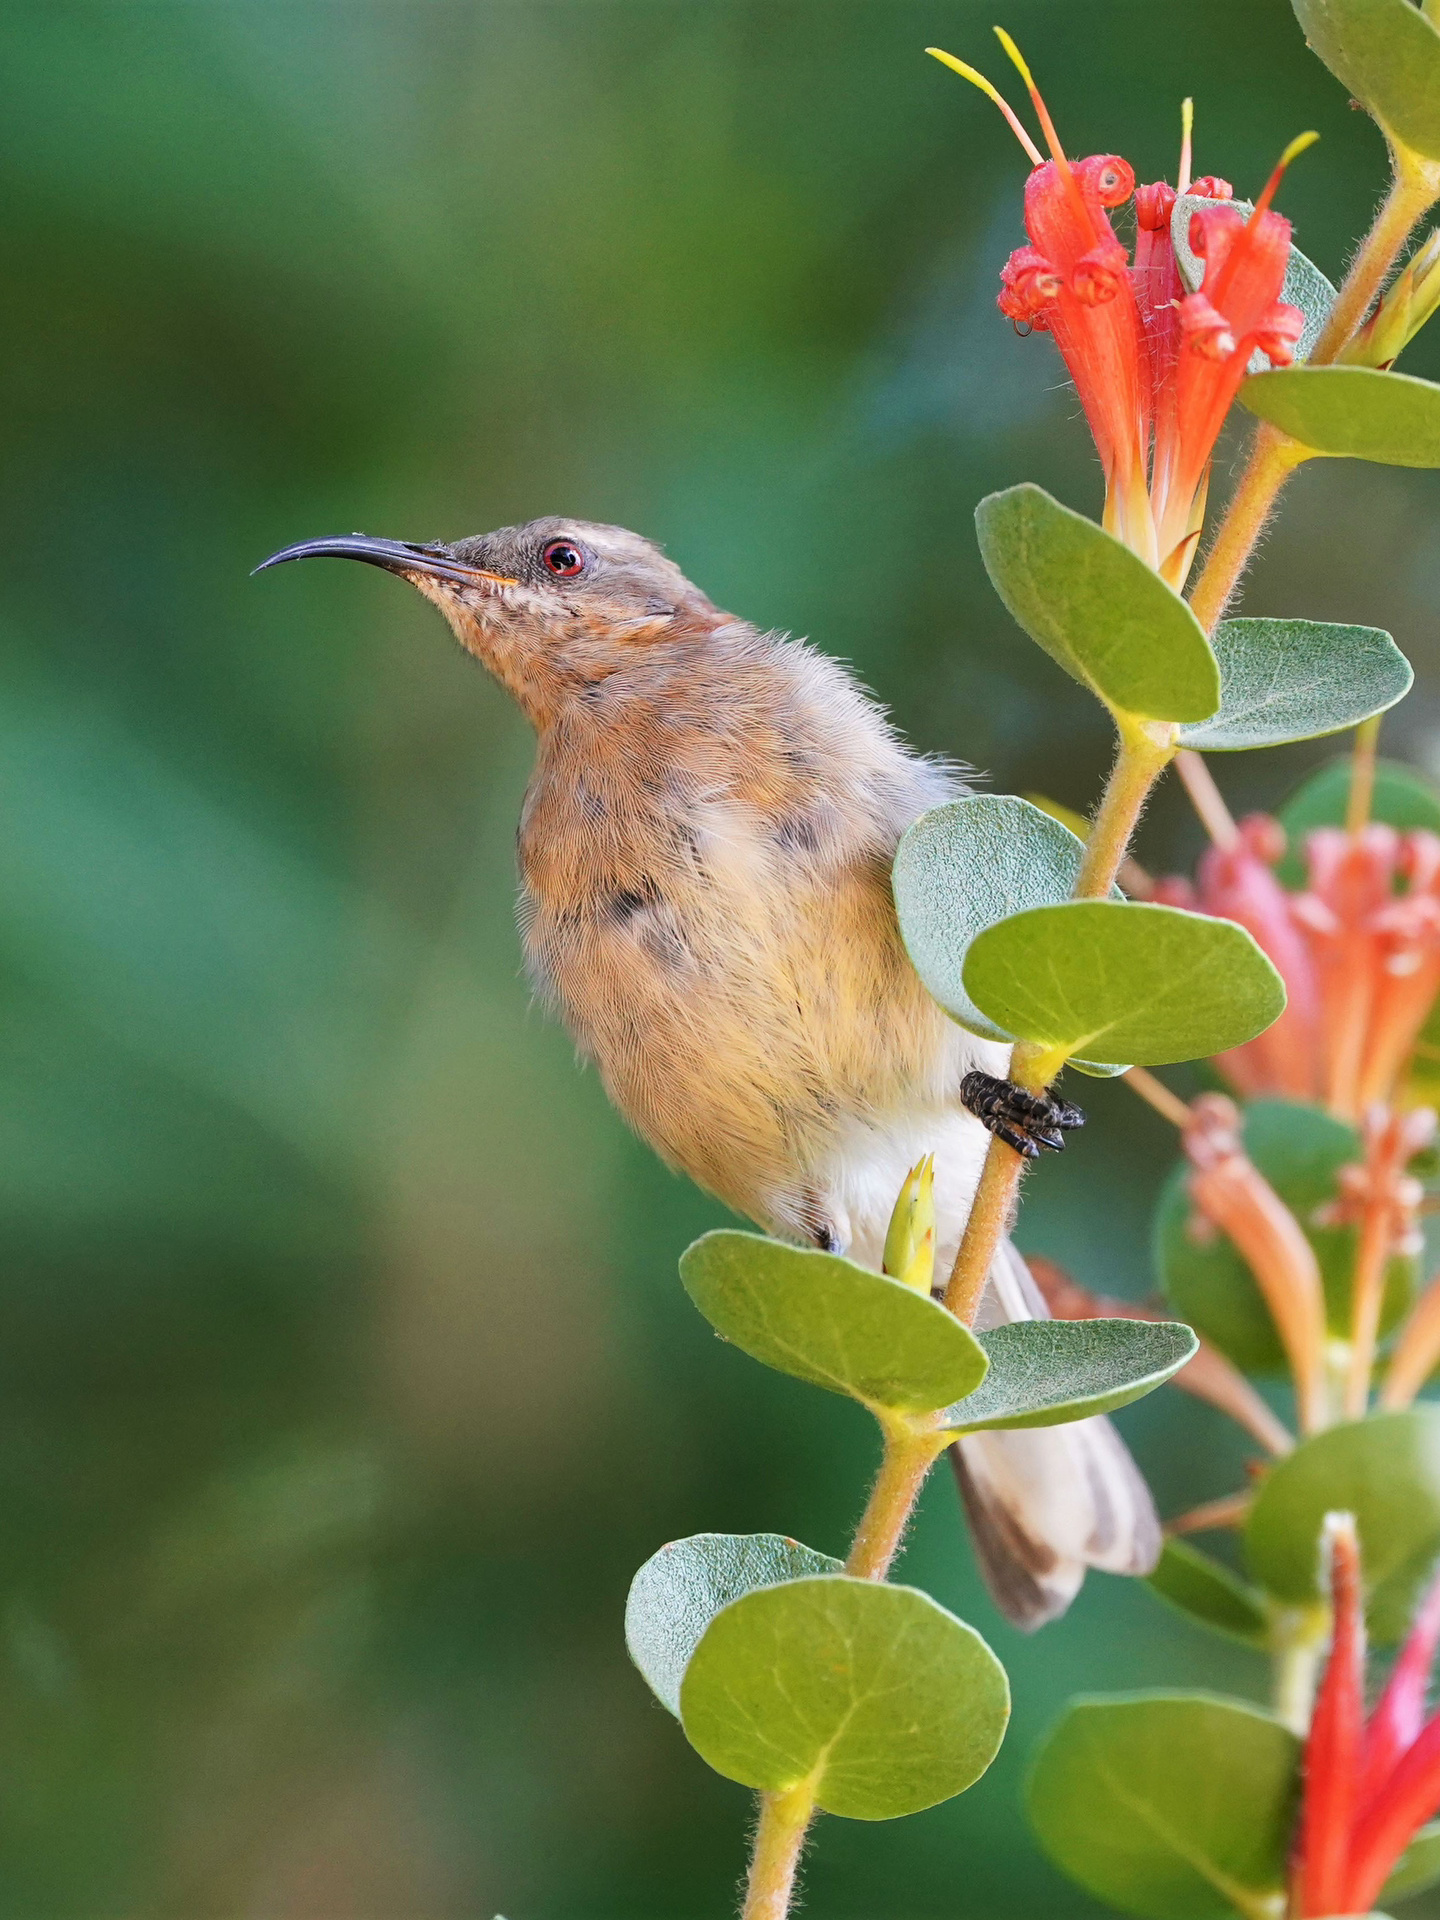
[(1045, 1503)]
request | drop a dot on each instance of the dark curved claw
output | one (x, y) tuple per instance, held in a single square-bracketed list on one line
[(1025, 1121)]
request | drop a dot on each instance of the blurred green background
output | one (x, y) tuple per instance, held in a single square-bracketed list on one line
[(344, 1373)]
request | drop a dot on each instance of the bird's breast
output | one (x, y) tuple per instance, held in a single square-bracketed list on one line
[(743, 991)]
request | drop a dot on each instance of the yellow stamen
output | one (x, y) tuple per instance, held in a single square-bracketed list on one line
[(991, 93), (1296, 147), (1187, 129), (1047, 125)]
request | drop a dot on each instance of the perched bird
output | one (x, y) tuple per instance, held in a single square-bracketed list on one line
[(704, 853)]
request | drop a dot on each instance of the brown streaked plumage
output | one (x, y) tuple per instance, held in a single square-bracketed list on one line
[(705, 853)]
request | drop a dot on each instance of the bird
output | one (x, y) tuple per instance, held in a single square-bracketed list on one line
[(704, 854)]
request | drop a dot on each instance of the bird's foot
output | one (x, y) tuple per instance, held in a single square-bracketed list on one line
[(1025, 1121)]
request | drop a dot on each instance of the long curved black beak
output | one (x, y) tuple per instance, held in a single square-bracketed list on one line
[(396, 556)]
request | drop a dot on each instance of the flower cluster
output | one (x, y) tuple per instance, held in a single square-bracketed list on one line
[(1358, 948), (1156, 367)]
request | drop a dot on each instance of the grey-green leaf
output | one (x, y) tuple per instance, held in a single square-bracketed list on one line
[(1305, 286), (1386, 1471), (962, 867), (824, 1319), (1360, 413), (1044, 1373), (1096, 608), (1206, 1591), (896, 1702), (1113, 981), (1173, 1806), (1284, 680), (1387, 53), (680, 1589)]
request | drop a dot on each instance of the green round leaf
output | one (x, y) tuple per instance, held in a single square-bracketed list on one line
[(1176, 1806), (1044, 1373), (1418, 1867), (899, 1704), (1403, 798), (962, 867), (1355, 412), (1294, 679), (680, 1589), (1207, 1592), (826, 1320), (1386, 1471), (1116, 981), (1300, 1150), (1096, 608), (1387, 53)]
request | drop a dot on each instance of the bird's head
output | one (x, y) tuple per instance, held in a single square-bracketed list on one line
[(552, 608)]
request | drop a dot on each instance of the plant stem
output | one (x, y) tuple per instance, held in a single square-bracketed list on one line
[(910, 1452), (1156, 1094), (1415, 187), (1362, 775), (909, 1455), (1031, 1067), (1274, 456), (1145, 749), (775, 1856), (1206, 798)]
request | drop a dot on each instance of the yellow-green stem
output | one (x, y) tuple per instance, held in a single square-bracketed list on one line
[(909, 1456), (1362, 775), (1032, 1068), (1274, 456), (1144, 752), (785, 1816), (1415, 187)]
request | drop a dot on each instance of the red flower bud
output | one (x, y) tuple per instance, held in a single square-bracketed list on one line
[(1098, 275), (1107, 176), (1206, 331), (1154, 205), (1028, 284)]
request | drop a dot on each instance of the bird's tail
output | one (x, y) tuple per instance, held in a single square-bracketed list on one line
[(1045, 1503)]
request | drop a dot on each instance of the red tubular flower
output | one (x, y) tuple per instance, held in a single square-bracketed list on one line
[(1096, 323), (1337, 1732), (1230, 1193), (1368, 1788), (1237, 309), (1400, 1713), (1149, 362)]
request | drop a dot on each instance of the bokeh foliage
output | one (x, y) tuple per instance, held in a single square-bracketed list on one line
[(345, 1373)]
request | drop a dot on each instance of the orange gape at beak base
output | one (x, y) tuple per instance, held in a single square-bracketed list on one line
[(395, 556)]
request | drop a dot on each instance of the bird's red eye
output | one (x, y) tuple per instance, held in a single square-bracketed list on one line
[(564, 557)]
